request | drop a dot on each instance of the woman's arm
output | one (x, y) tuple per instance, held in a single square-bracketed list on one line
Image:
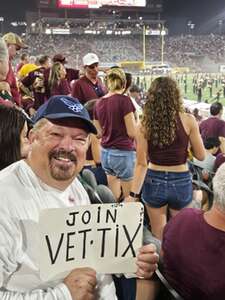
[(141, 162), (95, 149), (130, 124), (196, 139), (99, 128)]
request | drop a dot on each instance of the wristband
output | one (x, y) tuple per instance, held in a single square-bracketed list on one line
[(133, 195)]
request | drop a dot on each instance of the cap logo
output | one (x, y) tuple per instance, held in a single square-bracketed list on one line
[(75, 107)]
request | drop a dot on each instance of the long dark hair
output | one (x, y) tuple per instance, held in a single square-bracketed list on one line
[(11, 125), (160, 111), (54, 76)]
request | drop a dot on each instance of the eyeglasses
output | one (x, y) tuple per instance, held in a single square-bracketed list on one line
[(93, 66)]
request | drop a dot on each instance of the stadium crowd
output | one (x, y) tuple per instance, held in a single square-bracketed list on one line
[(154, 152), (186, 50)]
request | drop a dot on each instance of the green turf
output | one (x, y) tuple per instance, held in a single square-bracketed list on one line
[(145, 83), (205, 94)]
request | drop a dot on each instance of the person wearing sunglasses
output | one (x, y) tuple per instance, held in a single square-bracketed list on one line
[(89, 86)]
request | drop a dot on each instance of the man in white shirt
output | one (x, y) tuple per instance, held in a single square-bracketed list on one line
[(47, 179)]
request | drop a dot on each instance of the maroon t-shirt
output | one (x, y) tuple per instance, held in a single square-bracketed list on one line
[(110, 113), (11, 79), (72, 74), (194, 256), (220, 159), (83, 89), (62, 88), (212, 127)]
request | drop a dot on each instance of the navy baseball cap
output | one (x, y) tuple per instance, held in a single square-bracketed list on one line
[(61, 107)]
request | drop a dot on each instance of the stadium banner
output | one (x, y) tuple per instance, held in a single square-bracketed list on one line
[(105, 237)]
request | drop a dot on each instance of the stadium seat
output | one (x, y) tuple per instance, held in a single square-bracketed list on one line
[(89, 177), (93, 195), (198, 174), (105, 194), (200, 183), (97, 193)]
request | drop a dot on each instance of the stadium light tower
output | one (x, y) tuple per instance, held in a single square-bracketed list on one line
[(162, 35), (191, 27), (144, 43), (220, 26), (1, 21)]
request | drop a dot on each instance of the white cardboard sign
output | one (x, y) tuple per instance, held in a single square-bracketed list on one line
[(105, 237)]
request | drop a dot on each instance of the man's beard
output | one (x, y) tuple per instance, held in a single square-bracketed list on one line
[(66, 168)]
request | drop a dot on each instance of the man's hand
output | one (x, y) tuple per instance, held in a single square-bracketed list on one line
[(147, 261), (81, 283)]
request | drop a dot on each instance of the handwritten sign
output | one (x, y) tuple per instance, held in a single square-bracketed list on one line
[(105, 237)]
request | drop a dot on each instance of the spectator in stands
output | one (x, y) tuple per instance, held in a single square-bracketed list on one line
[(220, 159), (14, 44), (128, 82), (197, 116), (162, 150), (26, 69), (114, 119), (14, 144), (89, 86), (57, 83), (24, 59), (212, 145), (47, 179), (135, 95), (4, 68), (4, 58), (71, 74), (214, 126), (35, 82), (193, 248), (93, 157)]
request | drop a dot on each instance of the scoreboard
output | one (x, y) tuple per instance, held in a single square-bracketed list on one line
[(99, 3), (44, 3)]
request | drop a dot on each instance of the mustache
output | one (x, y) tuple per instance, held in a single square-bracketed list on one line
[(62, 153)]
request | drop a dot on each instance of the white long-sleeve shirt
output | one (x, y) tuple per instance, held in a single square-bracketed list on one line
[(22, 197)]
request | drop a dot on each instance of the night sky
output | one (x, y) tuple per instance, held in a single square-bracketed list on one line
[(173, 8), (196, 10)]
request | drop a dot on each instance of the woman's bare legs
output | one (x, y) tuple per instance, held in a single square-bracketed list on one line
[(114, 185), (158, 219)]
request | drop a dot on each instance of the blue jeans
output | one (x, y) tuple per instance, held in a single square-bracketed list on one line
[(119, 163), (167, 188)]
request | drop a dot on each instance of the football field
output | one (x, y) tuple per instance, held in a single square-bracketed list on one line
[(188, 91)]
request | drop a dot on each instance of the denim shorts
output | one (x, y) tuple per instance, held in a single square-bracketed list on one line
[(172, 188), (119, 163)]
